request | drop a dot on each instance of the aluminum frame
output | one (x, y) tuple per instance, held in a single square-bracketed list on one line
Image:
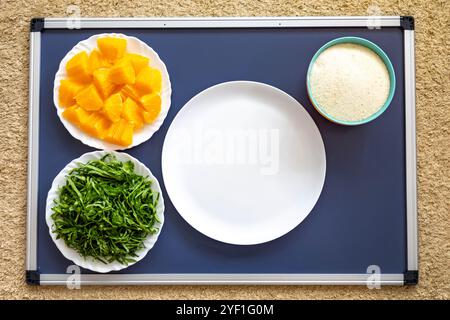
[(225, 22), (33, 148), (411, 158), (260, 22), (224, 279)]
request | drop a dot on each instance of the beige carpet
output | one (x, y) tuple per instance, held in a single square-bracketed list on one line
[(433, 125)]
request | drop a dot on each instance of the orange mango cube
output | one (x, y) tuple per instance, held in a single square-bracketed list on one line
[(132, 113), (89, 125), (122, 72), (148, 117), (103, 83), (109, 136), (113, 107), (101, 127), (96, 61), (148, 80), (152, 106), (137, 61), (76, 115), (89, 99), (120, 132), (67, 91), (127, 134), (77, 67), (112, 48), (70, 115), (96, 125), (128, 91)]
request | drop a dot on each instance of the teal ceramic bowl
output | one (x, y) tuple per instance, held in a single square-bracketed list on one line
[(383, 57)]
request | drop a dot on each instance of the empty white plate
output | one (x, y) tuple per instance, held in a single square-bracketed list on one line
[(243, 162)]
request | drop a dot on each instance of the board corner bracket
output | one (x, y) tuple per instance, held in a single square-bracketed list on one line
[(37, 24), (32, 277), (407, 22), (411, 277)]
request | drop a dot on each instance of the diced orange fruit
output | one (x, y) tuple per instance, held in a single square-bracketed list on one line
[(109, 94), (120, 132), (112, 48), (96, 61), (67, 91), (152, 105), (127, 134), (103, 83), (132, 113), (124, 136), (96, 125), (128, 91), (122, 72), (109, 136), (137, 61), (148, 117), (83, 116), (148, 80), (77, 67), (101, 127), (89, 125), (89, 99), (76, 115), (113, 107), (69, 114)]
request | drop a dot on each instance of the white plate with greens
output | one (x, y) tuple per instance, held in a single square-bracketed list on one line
[(105, 211)]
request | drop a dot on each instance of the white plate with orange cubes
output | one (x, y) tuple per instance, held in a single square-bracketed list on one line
[(112, 91)]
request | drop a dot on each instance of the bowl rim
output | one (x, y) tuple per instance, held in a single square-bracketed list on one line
[(370, 45)]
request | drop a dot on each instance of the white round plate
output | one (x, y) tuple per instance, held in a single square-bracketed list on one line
[(134, 45), (88, 262), (243, 162)]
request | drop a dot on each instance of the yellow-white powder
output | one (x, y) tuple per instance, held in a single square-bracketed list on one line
[(350, 82)]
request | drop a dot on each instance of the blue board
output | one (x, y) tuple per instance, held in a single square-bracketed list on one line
[(360, 218)]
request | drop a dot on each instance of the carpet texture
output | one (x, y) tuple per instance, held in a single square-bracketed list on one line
[(433, 141)]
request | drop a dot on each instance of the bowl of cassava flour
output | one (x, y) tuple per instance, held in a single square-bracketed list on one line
[(350, 81)]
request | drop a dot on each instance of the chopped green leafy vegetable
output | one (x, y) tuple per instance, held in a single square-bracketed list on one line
[(105, 210)]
